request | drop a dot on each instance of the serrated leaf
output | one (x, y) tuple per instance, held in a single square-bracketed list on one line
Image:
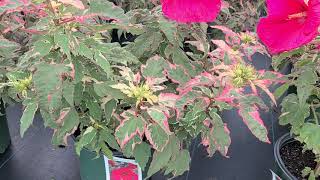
[(108, 137), (161, 159), (86, 138), (281, 90), (159, 117), (179, 164), (154, 67), (120, 55), (157, 137), (107, 9), (145, 43), (103, 62), (62, 40), (309, 134), (169, 28), (142, 153), (68, 92), (293, 112), (105, 150), (217, 138), (48, 85), (68, 122), (129, 127), (7, 48), (251, 117), (105, 89), (27, 116), (109, 107), (178, 75), (128, 149), (43, 46)]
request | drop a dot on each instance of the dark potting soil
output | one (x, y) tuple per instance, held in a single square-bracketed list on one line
[(295, 160)]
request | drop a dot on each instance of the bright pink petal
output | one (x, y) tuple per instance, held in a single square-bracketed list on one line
[(282, 8), (284, 34), (191, 11)]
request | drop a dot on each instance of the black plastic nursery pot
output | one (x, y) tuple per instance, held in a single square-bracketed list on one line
[(282, 171), (291, 159), (4, 130)]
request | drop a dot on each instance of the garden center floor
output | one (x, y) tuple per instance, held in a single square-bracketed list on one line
[(34, 158)]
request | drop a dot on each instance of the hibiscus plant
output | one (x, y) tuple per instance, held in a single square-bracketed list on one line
[(299, 46), (140, 77)]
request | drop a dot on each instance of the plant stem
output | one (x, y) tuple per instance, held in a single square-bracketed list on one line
[(317, 170), (314, 114)]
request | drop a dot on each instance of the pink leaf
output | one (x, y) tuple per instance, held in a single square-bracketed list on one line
[(254, 122)]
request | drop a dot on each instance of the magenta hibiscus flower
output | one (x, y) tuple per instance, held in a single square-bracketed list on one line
[(191, 11), (289, 24)]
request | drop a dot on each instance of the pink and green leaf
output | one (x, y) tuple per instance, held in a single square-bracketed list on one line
[(129, 127)]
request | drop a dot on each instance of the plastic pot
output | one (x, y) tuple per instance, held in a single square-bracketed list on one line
[(4, 130), (282, 171)]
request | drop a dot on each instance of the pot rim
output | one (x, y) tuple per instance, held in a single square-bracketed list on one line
[(285, 139)]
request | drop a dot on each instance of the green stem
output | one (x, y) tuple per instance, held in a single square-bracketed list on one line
[(314, 114), (317, 170)]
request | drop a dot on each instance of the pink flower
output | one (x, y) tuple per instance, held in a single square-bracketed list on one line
[(124, 173), (4, 2), (191, 11), (289, 24)]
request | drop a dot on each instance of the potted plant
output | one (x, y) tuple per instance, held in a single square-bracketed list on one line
[(297, 153), (145, 99)]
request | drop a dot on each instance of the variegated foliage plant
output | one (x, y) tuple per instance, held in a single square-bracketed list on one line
[(146, 93)]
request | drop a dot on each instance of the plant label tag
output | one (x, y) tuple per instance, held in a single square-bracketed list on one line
[(122, 169)]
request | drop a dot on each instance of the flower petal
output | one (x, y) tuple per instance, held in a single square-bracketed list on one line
[(189, 11), (283, 8)]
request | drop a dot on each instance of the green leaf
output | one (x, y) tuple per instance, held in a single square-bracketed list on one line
[(106, 151), (68, 123), (154, 67), (7, 48), (107, 9), (178, 165), (309, 134), (43, 46), (48, 85), (68, 92), (104, 89), (102, 61), (157, 137), (281, 90), (108, 137), (169, 28), (159, 117), (86, 138), (62, 40), (293, 112), (178, 74), (218, 136), (28, 115), (142, 153), (128, 149), (109, 107), (251, 117), (146, 43), (160, 159), (85, 51), (120, 55), (129, 127)]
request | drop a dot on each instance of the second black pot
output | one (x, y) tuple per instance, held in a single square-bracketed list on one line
[(282, 171)]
